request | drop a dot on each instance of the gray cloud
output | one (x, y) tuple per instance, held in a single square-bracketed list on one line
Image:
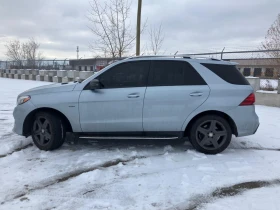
[(189, 25)]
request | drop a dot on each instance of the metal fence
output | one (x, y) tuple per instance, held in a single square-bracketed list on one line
[(269, 84), (245, 54), (37, 64)]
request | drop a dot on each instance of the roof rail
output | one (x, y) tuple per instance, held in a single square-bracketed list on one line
[(193, 57), (172, 56), (158, 56)]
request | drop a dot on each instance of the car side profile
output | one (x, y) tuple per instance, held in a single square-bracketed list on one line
[(154, 97)]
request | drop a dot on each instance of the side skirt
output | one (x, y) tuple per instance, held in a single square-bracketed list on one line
[(131, 135)]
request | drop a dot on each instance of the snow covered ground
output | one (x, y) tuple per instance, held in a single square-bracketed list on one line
[(111, 174)]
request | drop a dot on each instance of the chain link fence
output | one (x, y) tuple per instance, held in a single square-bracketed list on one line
[(269, 84), (36, 64)]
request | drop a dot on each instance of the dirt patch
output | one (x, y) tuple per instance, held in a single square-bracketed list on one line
[(24, 199), (199, 200)]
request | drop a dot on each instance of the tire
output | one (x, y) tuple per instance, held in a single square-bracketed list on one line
[(48, 131), (210, 134)]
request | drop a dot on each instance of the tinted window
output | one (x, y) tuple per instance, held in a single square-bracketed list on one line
[(229, 73), (174, 73), (131, 74)]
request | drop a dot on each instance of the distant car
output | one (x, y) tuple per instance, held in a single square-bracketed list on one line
[(148, 97)]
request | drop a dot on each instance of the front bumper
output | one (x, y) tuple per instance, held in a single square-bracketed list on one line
[(20, 113)]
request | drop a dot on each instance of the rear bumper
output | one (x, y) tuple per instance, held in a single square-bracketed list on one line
[(246, 120), (20, 113)]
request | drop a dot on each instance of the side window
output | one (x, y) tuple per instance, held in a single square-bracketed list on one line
[(131, 74), (174, 73), (229, 73)]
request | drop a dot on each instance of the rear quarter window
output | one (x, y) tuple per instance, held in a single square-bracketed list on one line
[(229, 73)]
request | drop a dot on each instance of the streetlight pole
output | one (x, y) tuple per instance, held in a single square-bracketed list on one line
[(138, 28)]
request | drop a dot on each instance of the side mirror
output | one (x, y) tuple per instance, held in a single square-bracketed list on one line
[(94, 84)]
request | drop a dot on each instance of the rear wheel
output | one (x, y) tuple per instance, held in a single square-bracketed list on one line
[(48, 131), (210, 134)]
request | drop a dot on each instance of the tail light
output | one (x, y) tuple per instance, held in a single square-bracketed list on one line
[(250, 100)]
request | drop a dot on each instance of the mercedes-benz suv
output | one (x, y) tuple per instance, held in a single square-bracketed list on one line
[(204, 100)]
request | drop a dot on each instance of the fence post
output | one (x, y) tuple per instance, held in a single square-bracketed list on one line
[(278, 86), (222, 53)]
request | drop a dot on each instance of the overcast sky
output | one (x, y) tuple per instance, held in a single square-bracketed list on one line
[(189, 25)]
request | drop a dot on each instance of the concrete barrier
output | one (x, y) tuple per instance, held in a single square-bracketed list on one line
[(27, 71), (39, 78), (11, 76), (72, 74), (31, 77), (267, 99), (62, 73), (51, 73), (57, 79), (16, 76), (20, 71), (13, 71), (85, 74), (254, 82), (42, 72), (47, 78), (25, 77), (35, 72), (65, 80)]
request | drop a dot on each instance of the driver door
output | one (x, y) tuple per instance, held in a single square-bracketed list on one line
[(118, 105)]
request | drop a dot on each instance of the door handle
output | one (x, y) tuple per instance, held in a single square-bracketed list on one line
[(196, 94), (133, 95)]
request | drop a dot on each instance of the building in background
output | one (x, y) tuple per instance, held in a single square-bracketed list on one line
[(91, 64), (259, 67)]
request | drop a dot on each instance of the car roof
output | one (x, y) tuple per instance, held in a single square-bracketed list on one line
[(182, 58)]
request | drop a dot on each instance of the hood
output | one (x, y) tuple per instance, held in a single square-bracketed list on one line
[(53, 88)]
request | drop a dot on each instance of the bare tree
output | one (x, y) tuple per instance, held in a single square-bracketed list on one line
[(110, 24), (272, 42), (14, 51), (156, 39), (17, 52)]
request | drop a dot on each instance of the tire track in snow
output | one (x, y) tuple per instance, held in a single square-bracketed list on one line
[(17, 150), (198, 201), (72, 174)]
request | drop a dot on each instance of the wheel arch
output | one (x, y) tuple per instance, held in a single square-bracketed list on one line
[(212, 112), (27, 125)]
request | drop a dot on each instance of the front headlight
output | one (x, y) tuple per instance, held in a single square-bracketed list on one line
[(23, 99)]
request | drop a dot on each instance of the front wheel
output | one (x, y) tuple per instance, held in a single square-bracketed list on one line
[(210, 134), (48, 131)]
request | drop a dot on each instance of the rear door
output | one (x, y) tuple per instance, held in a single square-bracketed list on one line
[(175, 89)]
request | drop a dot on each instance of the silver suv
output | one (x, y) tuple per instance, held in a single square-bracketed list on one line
[(205, 100)]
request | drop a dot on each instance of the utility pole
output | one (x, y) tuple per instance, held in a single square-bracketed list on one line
[(77, 52), (138, 28)]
